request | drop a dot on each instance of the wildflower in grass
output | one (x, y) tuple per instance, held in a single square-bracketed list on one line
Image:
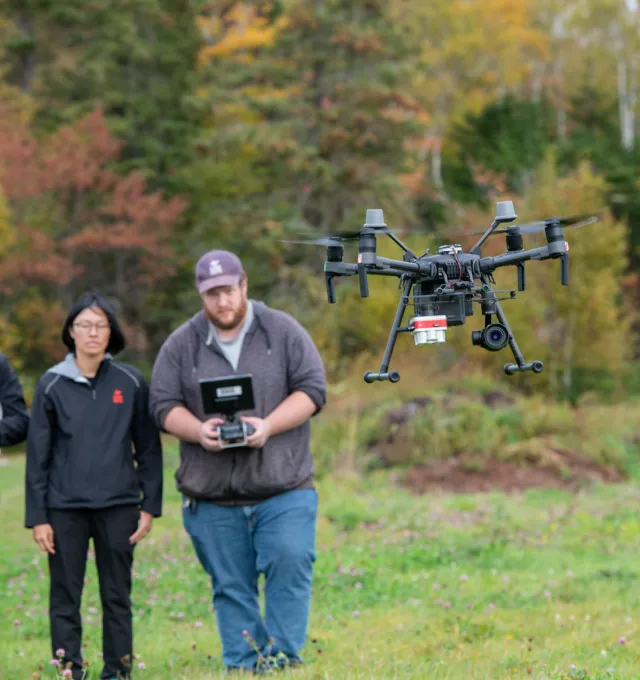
[(356, 613), (67, 673), (547, 593), (622, 640), (54, 662), (464, 577), (141, 665)]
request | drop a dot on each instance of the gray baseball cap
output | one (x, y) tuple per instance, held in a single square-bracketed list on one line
[(217, 268)]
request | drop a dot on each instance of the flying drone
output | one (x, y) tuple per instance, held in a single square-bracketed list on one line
[(447, 283)]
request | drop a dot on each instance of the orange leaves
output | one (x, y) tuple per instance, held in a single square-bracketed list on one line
[(76, 155), (35, 259), (69, 205), (71, 159)]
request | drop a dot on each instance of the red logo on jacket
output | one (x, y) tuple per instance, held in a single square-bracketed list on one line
[(118, 397)]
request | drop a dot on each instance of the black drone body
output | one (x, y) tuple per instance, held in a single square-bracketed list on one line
[(443, 287)]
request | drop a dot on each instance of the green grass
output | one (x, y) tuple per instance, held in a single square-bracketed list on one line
[(443, 586)]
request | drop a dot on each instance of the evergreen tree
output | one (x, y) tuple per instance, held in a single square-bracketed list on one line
[(311, 121), (133, 58)]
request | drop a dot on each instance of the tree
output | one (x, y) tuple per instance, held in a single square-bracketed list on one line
[(135, 59), (469, 54), (77, 225), (310, 115), (580, 331)]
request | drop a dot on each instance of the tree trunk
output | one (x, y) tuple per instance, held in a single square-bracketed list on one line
[(436, 165), (28, 57), (626, 104)]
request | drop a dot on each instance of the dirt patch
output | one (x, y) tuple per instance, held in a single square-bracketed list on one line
[(467, 473)]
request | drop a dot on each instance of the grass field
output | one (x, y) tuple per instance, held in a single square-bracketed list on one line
[(541, 585)]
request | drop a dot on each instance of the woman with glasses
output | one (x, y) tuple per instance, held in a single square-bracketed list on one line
[(94, 471)]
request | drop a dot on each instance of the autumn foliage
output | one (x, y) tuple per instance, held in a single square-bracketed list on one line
[(75, 224)]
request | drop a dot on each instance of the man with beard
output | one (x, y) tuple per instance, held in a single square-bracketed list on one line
[(249, 510)]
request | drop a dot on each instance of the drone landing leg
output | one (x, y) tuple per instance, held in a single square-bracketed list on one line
[(521, 365), (392, 376)]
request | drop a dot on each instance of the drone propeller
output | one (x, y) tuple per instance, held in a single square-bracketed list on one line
[(571, 222), (328, 241)]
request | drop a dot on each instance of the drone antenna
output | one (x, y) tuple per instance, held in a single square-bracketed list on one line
[(504, 213), (406, 249)]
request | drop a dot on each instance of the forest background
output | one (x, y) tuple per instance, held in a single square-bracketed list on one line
[(136, 135)]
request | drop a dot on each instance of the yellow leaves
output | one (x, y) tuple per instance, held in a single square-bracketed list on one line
[(263, 94), (240, 31), (236, 40), (469, 51)]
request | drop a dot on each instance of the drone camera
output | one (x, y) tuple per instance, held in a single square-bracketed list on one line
[(428, 330), (493, 337)]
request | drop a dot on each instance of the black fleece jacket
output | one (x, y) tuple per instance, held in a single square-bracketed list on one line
[(14, 418), (92, 444)]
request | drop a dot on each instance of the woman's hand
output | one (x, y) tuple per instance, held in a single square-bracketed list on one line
[(144, 527), (43, 536)]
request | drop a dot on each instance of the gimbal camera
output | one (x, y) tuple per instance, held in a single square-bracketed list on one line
[(447, 283)]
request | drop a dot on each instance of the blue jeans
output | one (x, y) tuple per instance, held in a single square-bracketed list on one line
[(234, 544)]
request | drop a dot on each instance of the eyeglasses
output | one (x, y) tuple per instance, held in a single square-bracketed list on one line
[(86, 327)]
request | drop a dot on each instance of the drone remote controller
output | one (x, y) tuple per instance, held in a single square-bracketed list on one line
[(443, 287), (234, 434)]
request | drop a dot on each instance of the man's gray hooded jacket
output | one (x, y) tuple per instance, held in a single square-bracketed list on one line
[(282, 358)]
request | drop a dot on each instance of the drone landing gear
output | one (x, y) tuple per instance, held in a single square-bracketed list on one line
[(384, 373), (521, 365)]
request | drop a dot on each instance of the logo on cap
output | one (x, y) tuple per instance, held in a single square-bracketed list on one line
[(215, 267)]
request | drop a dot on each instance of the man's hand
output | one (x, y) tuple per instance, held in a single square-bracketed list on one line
[(144, 527), (208, 436), (43, 536), (262, 431)]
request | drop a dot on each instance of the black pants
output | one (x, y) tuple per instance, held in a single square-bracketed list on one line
[(110, 529)]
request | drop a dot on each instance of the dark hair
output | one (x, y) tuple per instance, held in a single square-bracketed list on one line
[(117, 340)]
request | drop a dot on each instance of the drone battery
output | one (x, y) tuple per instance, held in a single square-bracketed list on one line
[(428, 330)]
